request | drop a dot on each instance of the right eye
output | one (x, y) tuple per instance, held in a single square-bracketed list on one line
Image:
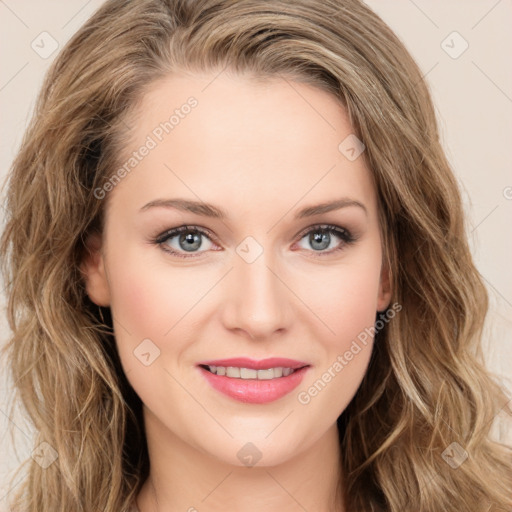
[(184, 239)]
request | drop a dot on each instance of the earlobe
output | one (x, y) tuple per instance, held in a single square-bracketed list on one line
[(92, 268), (384, 296)]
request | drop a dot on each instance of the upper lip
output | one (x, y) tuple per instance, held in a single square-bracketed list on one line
[(245, 362)]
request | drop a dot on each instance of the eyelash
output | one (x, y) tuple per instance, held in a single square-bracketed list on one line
[(342, 233)]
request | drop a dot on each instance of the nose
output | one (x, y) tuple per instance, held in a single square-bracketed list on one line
[(257, 301)]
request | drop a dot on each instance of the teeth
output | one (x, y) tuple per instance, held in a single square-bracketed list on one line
[(246, 373), (231, 371), (249, 373), (278, 372)]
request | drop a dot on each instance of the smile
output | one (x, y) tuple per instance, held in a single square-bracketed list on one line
[(249, 386), (235, 372)]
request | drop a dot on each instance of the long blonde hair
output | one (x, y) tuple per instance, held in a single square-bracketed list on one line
[(426, 387)]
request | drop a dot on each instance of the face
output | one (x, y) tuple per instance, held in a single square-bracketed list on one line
[(257, 274)]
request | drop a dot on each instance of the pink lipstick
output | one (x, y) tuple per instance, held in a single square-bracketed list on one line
[(254, 381)]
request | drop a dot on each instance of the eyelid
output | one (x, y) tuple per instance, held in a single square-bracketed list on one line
[(324, 226), (162, 237)]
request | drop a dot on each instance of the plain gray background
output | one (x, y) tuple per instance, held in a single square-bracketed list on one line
[(464, 50)]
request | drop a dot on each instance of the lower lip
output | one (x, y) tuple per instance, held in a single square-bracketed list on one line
[(253, 391)]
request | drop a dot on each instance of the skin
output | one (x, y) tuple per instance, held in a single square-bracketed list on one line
[(261, 151)]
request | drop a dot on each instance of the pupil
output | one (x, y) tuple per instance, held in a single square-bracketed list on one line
[(321, 238), (192, 241)]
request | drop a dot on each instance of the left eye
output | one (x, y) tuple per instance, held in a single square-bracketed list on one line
[(322, 237), (189, 239)]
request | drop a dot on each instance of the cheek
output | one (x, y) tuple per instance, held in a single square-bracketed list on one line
[(150, 301), (149, 298), (346, 300), (346, 303), (143, 306)]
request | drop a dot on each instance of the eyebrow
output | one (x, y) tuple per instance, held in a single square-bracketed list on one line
[(209, 210)]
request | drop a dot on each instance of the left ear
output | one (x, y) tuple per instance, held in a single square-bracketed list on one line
[(384, 295)]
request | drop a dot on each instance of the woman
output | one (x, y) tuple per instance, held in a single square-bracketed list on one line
[(238, 272)]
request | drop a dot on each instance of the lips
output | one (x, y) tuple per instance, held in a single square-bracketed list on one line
[(262, 364), (255, 391)]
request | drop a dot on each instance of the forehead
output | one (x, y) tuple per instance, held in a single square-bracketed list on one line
[(242, 142)]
